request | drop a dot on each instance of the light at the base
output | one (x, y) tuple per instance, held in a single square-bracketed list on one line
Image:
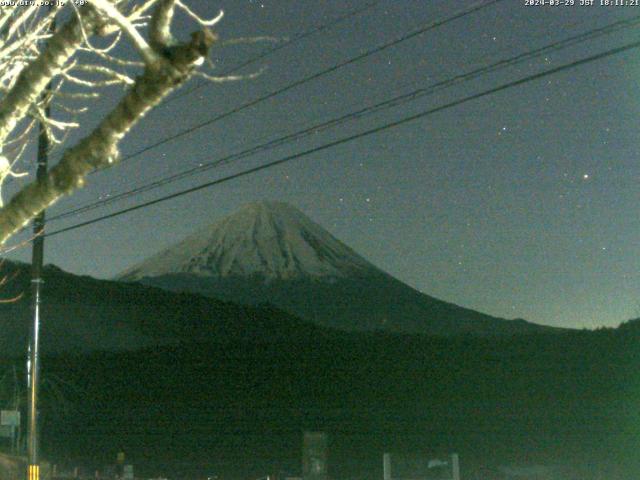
[(34, 472)]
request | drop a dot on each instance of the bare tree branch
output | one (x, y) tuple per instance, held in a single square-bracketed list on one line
[(34, 78), (146, 52), (100, 148), (160, 27), (33, 59)]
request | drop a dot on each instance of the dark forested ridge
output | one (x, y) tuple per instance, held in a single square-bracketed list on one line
[(239, 407), (191, 384), (84, 314)]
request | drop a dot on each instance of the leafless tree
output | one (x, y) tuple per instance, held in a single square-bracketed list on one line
[(36, 64)]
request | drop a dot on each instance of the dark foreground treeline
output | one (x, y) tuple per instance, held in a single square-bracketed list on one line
[(237, 408)]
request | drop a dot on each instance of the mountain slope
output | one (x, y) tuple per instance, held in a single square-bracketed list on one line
[(271, 252), (81, 314)]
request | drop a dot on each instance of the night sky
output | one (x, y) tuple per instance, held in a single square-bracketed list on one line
[(520, 204)]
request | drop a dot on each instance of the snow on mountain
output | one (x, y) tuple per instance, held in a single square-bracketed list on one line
[(270, 252), (272, 240)]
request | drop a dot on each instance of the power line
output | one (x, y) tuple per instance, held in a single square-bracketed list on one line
[(268, 52), (393, 102), (350, 138), (433, 25), (480, 5), (460, 14)]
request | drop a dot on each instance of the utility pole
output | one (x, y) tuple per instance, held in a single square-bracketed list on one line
[(16, 406), (37, 261)]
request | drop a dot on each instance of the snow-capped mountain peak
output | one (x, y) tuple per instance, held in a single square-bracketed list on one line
[(272, 240), (270, 252)]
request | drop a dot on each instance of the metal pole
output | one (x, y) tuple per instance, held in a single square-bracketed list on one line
[(386, 466), (37, 260), (455, 466), (16, 406)]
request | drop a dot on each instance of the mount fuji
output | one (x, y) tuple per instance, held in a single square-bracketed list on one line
[(270, 252)]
